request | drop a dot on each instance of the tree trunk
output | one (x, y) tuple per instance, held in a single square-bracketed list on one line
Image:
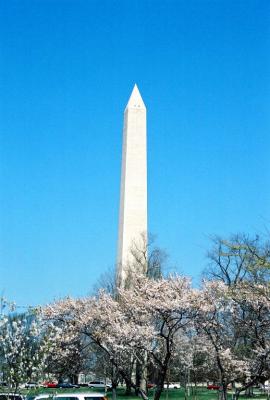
[(247, 388), (74, 379), (223, 392), (158, 391), (160, 385), (127, 378), (249, 392), (141, 374), (236, 394), (143, 379), (113, 393), (137, 377), (137, 389), (15, 388), (128, 389), (195, 390)]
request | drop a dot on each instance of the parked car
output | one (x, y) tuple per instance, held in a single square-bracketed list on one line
[(172, 385), (39, 397), (49, 384), (99, 384), (67, 385), (31, 385), (213, 387), (11, 396), (70, 396), (150, 385), (81, 396)]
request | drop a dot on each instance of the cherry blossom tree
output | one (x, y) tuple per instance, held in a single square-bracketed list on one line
[(155, 322), (215, 321), (71, 353), (192, 361), (143, 320), (101, 320), (168, 307), (235, 320), (24, 346), (252, 325)]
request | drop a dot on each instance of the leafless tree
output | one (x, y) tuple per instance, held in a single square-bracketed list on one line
[(147, 258), (107, 282), (239, 259)]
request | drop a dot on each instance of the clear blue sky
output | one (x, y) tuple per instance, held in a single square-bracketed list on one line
[(67, 68)]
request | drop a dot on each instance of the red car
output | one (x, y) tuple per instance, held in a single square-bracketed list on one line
[(150, 385), (213, 387), (49, 384)]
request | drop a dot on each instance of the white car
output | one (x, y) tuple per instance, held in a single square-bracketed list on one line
[(172, 385), (11, 396), (99, 384), (69, 396), (31, 385)]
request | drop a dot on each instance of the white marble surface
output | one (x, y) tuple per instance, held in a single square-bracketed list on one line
[(133, 201)]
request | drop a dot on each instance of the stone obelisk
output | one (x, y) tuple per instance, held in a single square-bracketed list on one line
[(132, 235)]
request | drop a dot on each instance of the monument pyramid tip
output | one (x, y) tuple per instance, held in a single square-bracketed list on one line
[(135, 100)]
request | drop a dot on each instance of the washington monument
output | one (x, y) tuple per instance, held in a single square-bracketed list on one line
[(133, 196)]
